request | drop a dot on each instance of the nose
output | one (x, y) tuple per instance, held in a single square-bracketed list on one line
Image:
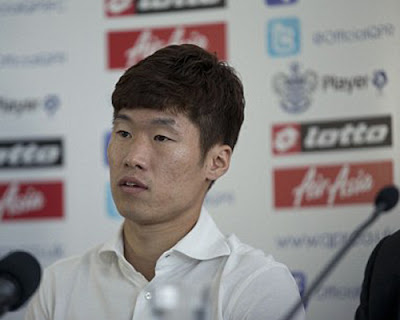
[(138, 154)]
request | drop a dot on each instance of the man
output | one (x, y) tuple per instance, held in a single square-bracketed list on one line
[(177, 116), (380, 295)]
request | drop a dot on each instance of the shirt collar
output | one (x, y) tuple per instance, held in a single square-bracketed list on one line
[(114, 244), (205, 241)]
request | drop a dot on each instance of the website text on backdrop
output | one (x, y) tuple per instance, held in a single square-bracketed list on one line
[(385, 200), (177, 117)]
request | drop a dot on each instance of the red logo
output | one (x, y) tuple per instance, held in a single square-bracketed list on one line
[(349, 183), (286, 138), (126, 48), (31, 201)]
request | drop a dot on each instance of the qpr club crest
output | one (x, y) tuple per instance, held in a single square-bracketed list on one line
[(295, 89)]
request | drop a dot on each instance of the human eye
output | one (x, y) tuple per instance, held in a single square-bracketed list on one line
[(123, 134), (161, 138)]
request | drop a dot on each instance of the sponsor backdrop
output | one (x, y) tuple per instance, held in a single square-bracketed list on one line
[(319, 138)]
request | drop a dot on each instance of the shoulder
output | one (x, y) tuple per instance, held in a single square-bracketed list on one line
[(75, 261), (387, 252), (255, 284), (64, 272), (392, 240), (253, 269), (383, 261), (58, 280), (381, 281), (247, 257)]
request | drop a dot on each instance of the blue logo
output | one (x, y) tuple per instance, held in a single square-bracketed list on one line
[(110, 205), (280, 2), (301, 281), (300, 278), (107, 138), (379, 79), (295, 88), (51, 104), (283, 37)]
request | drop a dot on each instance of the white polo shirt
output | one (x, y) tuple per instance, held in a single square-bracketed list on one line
[(102, 285)]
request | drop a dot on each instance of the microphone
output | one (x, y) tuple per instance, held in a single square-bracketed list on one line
[(20, 275), (385, 200)]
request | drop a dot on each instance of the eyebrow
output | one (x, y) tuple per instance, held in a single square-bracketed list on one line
[(163, 122), (122, 117), (160, 121)]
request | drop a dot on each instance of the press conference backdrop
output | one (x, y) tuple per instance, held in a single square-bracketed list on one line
[(319, 139)]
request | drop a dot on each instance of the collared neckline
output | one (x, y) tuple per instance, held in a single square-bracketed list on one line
[(205, 241), (114, 245)]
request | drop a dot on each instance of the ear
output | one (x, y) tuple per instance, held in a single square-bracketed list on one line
[(218, 161)]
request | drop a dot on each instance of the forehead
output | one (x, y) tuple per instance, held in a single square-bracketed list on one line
[(149, 117)]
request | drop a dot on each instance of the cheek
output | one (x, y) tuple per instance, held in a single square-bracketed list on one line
[(109, 154), (112, 154), (183, 167)]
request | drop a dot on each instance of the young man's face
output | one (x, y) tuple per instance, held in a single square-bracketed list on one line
[(156, 170)]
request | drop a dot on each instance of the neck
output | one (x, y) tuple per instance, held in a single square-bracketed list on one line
[(144, 244)]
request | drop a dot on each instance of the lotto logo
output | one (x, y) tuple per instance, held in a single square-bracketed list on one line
[(115, 8), (30, 153), (353, 133), (286, 138), (283, 37)]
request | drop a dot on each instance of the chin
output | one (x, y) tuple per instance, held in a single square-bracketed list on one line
[(136, 216)]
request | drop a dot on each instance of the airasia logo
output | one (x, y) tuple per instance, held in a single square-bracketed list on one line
[(126, 48), (31, 201), (355, 183)]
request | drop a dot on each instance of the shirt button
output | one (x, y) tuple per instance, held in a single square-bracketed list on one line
[(147, 295)]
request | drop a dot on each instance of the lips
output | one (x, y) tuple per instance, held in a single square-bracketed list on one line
[(132, 184)]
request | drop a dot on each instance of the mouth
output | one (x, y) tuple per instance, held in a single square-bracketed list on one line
[(132, 185)]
